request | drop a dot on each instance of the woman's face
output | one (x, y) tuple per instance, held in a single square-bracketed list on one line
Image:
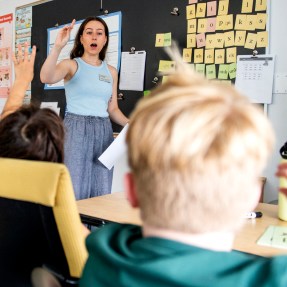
[(93, 38)]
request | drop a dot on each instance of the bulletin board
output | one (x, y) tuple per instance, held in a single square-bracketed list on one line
[(143, 23)]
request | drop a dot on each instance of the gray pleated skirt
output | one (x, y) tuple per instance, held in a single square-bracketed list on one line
[(87, 137)]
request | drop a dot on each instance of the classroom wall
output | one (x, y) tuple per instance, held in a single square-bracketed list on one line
[(277, 111)]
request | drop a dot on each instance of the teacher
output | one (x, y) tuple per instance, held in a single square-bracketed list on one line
[(91, 96)]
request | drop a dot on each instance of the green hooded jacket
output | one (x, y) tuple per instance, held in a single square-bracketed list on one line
[(120, 256)]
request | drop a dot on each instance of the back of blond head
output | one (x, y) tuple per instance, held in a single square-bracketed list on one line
[(196, 149)]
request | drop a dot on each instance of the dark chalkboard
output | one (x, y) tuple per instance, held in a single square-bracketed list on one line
[(141, 21)]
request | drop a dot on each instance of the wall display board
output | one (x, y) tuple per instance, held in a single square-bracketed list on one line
[(210, 35)]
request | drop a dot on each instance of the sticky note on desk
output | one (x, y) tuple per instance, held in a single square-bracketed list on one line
[(274, 236)]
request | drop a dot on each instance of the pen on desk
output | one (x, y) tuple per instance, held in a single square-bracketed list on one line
[(253, 214)]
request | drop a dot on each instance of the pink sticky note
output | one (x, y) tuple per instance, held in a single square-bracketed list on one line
[(200, 40), (211, 24), (211, 8)]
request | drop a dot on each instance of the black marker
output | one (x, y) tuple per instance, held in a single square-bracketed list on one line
[(253, 214)]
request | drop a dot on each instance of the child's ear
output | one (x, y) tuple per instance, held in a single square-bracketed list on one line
[(130, 189)]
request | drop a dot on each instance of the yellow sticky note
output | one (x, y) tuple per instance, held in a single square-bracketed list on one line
[(209, 56), (223, 72), (229, 39), (159, 40), (240, 37), (200, 68), (247, 6), (202, 25), (261, 21), (219, 40), (240, 22), (200, 10), (186, 55), (220, 22), (191, 26), (251, 21), (220, 56), (190, 11), (262, 39), (260, 5), (228, 22), (210, 72), (165, 66), (210, 41), (231, 55), (223, 7), (191, 41), (232, 70), (251, 41), (198, 56), (167, 39)]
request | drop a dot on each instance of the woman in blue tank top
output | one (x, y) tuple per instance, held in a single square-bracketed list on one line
[(91, 96)]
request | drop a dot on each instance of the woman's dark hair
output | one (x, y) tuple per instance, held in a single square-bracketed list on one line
[(78, 49), (32, 133)]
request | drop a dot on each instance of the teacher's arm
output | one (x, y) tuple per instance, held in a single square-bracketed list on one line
[(115, 113)]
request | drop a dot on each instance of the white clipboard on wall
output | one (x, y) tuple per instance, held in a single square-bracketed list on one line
[(132, 70), (254, 77)]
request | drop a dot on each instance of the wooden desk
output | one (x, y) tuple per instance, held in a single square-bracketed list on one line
[(114, 207)]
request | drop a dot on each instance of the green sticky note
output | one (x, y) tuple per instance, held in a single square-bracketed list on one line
[(232, 70), (147, 92), (210, 72), (191, 66), (167, 39), (200, 68), (274, 236), (227, 82), (223, 72)]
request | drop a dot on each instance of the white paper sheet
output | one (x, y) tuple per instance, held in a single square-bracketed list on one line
[(116, 149), (51, 105), (132, 71)]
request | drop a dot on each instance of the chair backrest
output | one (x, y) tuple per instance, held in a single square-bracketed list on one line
[(39, 221)]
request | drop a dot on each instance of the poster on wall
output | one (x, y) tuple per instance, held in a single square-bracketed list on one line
[(114, 23), (5, 57), (23, 29), (23, 18)]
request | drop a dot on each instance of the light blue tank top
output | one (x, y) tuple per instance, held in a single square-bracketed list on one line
[(89, 90)]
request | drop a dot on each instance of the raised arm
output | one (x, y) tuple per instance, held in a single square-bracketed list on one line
[(51, 72), (24, 73), (115, 113)]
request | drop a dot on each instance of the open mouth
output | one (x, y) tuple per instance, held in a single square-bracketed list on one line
[(94, 45)]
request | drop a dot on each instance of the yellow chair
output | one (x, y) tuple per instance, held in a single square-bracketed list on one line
[(39, 222)]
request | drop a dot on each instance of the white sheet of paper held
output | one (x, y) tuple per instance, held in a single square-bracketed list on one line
[(115, 150)]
